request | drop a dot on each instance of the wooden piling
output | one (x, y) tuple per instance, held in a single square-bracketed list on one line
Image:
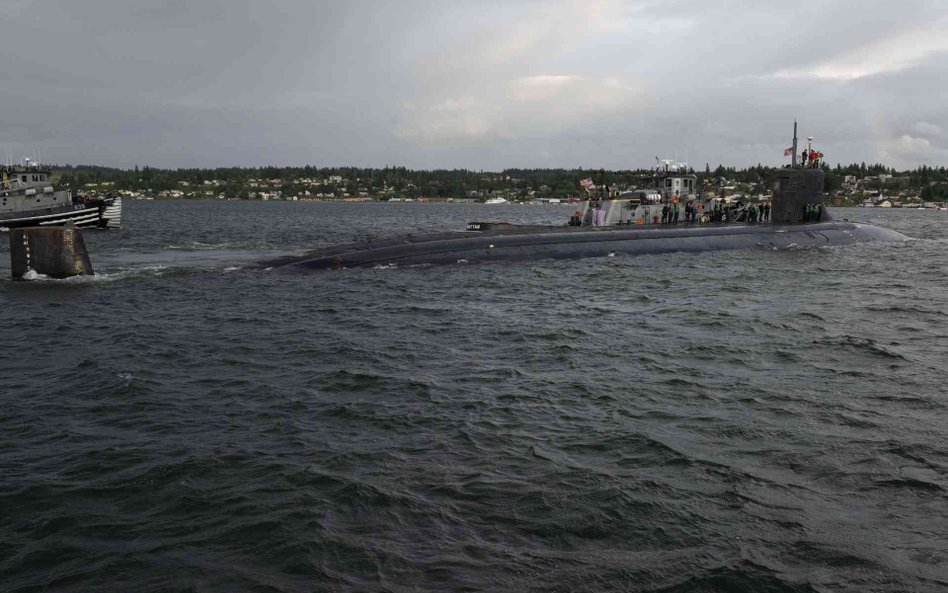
[(55, 251)]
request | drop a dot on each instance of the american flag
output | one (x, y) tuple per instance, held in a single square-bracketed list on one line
[(788, 151)]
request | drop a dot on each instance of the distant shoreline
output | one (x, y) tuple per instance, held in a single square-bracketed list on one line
[(845, 185)]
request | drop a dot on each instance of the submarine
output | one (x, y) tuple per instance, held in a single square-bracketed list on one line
[(628, 224)]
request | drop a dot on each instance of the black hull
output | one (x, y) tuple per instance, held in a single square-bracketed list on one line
[(527, 243), (98, 216)]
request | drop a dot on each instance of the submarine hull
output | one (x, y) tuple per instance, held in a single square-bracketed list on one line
[(508, 242)]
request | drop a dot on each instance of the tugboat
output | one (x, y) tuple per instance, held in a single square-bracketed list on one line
[(27, 198), (628, 225)]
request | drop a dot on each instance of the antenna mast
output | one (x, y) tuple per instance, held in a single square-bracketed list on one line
[(794, 144)]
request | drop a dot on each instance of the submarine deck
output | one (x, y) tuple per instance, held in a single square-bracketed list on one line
[(491, 241)]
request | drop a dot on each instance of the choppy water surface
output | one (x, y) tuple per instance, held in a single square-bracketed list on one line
[(734, 421)]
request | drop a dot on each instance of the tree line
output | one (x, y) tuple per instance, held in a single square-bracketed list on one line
[(233, 181)]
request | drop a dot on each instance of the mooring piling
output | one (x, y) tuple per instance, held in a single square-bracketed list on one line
[(55, 251)]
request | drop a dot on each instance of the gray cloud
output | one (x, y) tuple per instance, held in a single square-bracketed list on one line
[(484, 84)]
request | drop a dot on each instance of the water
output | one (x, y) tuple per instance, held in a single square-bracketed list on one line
[(735, 421)]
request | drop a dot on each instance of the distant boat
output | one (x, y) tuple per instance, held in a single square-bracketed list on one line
[(497, 200), (27, 198)]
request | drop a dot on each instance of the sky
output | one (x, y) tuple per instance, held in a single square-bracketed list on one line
[(472, 84)]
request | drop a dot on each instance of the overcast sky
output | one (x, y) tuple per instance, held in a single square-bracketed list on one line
[(474, 84)]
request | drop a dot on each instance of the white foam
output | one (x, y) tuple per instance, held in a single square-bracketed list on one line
[(32, 274)]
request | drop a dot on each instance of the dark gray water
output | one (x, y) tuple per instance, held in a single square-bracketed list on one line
[(735, 421)]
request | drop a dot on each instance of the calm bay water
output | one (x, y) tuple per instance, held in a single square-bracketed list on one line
[(735, 421)]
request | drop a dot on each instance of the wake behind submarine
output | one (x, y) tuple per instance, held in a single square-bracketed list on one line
[(628, 224)]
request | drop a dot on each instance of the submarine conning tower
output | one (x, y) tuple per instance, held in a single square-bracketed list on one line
[(798, 185), (793, 190)]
